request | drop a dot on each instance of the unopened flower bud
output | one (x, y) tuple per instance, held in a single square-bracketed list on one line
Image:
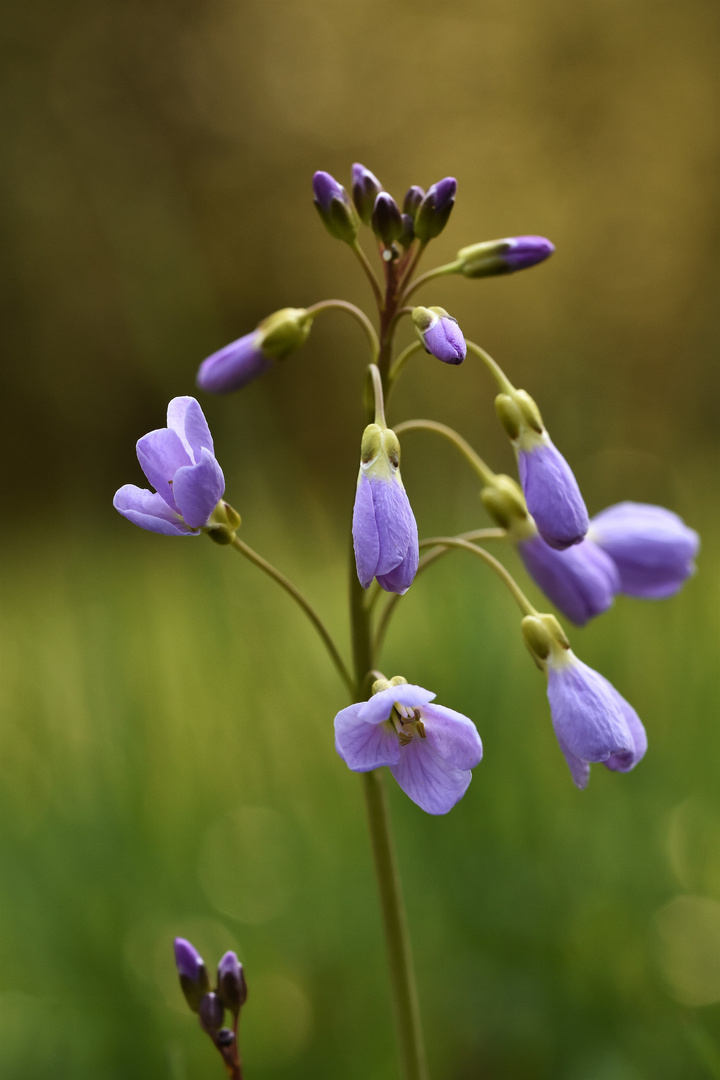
[(386, 220), (413, 198), (434, 210), (503, 256), (365, 189), (440, 334), (408, 231), (232, 988), (211, 1013), (243, 360), (334, 207), (194, 978), (504, 501)]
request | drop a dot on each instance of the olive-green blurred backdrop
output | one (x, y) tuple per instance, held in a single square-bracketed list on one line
[(166, 760)]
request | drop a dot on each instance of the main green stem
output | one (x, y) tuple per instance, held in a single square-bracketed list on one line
[(397, 940)]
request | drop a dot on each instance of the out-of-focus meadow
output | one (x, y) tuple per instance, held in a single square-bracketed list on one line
[(166, 755)]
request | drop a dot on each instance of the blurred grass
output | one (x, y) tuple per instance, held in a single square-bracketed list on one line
[(168, 768)]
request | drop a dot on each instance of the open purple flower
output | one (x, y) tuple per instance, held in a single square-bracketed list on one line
[(440, 334), (429, 749), (581, 581), (592, 721), (180, 464), (552, 493), (385, 536), (652, 548)]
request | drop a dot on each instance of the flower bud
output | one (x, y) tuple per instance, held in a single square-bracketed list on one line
[(386, 220), (413, 198), (365, 189), (194, 978), (440, 334), (334, 207), (434, 210), (252, 355), (503, 256), (232, 988), (408, 231), (504, 501), (211, 1013)]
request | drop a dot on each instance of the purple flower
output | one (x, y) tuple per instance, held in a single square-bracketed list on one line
[(581, 581), (234, 365), (433, 212), (440, 334), (503, 256), (334, 207), (180, 464), (652, 548), (430, 749), (552, 493), (592, 721), (194, 978), (365, 189), (385, 536)]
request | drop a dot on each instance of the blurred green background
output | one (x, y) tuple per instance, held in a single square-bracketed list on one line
[(166, 756)]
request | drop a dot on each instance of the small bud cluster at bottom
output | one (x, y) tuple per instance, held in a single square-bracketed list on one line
[(211, 1004)]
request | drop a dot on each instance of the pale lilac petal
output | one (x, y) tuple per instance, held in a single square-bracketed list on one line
[(234, 365), (452, 736), (435, 785), (444, 340), (149, 511), (653, 548), (161, 453), (401, 578), (626, 762), (185, 417), (365, 534), (379, 707), (364, 746), (586, 717), (198, 488), (579, 769), (552, 495), (395, 523), (581, 581)]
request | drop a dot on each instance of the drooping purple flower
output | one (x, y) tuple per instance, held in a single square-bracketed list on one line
[(440, 334), (334, 207), (492, 257), (434, 210), (429, 749), (180, 464), (194, 978), (552, 493), (385, 536), (234, 366), (365, 189), (592, 721), (653, 548), (581, 581)]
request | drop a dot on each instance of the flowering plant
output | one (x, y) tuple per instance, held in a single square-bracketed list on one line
[(580, 564)]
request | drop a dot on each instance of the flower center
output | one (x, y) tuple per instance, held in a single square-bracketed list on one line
[(408, 723)]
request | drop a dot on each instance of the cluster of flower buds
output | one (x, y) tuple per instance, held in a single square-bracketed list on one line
[(211, 1004)]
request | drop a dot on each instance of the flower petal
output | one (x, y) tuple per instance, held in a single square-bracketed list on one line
[(197, 489), (452, 736), (161, 453), (379, 707), (150, 511), (364, 746), (552, 495), (187, 419), (435, 785), (628, 761), (581, 581), (366, 542), (652, 547), (579, 769), (395, 523), (234, 365), (586, 717), (401, 578)]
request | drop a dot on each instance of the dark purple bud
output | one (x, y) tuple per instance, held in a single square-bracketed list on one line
[(334, 207), (434, 210), (365, 189), (224, 1038), (194, 978), (408, 231), (440, 334), (386, 220), (413, 198), (211, 1013), (494, 257), (231, 988)]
